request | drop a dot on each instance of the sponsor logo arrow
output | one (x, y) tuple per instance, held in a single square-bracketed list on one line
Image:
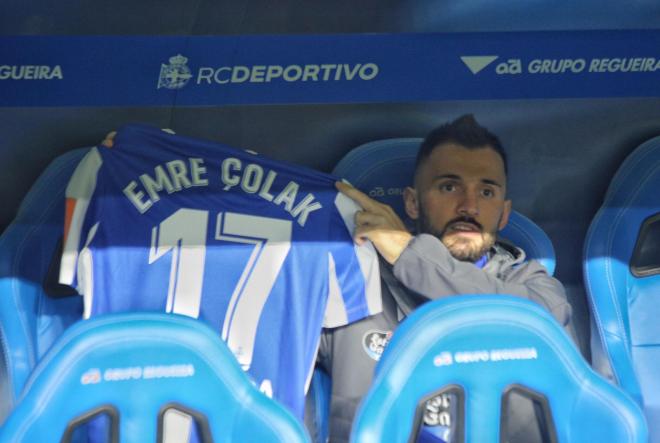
[(478, 62)]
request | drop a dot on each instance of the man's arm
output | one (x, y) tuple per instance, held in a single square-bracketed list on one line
[(426, 267)]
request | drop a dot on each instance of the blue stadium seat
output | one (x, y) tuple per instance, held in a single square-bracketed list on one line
[(136, 366), (483, 345), (29, 319), (384, 168), (622, 278)]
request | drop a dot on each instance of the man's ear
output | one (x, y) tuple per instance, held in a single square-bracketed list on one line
[(410, 202), (506, 212)]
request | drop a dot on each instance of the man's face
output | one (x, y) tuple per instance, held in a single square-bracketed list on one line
[(460, 198)]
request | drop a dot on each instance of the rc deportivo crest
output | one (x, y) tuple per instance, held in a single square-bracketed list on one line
[(176, 74), (374, 342)]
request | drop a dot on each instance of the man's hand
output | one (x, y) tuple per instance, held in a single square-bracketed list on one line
[(109, 140), (378, 223)]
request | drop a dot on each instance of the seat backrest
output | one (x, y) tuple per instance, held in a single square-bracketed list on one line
[(137, 365), (384, 168), (29, 319), (622, 278), (483, 345)]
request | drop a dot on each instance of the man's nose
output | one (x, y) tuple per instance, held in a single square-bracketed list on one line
[(469, 205)]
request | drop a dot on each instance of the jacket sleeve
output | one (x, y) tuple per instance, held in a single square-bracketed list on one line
[(427, 268)]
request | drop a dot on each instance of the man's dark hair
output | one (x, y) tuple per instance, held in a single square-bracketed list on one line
[(464, 131)]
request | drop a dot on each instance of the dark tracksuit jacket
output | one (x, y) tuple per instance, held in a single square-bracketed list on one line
[(427, 271)]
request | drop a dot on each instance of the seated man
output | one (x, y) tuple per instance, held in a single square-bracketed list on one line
[(458, 204)]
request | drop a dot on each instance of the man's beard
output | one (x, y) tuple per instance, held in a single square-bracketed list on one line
[(460, 247)]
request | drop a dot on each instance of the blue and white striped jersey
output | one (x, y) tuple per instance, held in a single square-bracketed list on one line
[(259, 249)]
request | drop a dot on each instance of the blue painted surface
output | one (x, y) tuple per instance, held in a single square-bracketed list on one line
[(352, 68)]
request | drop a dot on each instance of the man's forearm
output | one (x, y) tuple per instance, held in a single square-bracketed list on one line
[(427, 268)]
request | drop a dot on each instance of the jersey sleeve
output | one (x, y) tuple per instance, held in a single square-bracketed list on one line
[(354, 276), (77, 228)]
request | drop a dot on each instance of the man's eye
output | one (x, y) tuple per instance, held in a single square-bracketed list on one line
[(448, 187), (487, 192)]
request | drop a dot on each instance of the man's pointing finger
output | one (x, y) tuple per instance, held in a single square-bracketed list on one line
[(357, 196)]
